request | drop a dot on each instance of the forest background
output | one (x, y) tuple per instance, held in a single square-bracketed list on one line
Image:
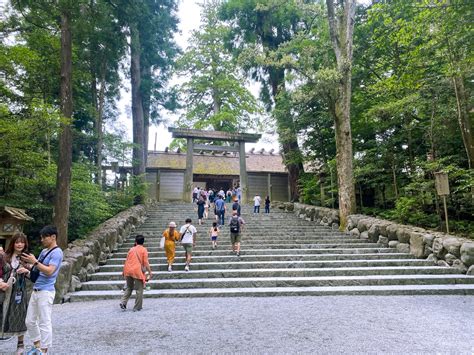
[(63, 64)]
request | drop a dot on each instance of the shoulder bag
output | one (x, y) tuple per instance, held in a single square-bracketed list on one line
[(182, 235), (34, 272)]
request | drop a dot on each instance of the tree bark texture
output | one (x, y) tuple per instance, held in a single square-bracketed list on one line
[(63, 178), (138, 162), (146, 102), (465, 122), (341, 28), (288, 137), (98, 99)]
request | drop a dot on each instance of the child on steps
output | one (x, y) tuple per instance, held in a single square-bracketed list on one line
[(214, 233)]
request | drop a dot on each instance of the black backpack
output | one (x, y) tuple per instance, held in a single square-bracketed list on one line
[(234, 225)]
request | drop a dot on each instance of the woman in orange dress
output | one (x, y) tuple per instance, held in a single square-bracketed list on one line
[(171, 237)]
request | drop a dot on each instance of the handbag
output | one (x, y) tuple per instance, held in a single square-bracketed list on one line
[(34, 272), (162, 242)]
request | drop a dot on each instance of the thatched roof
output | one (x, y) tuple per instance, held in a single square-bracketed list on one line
[(218, 164), (17, 213)]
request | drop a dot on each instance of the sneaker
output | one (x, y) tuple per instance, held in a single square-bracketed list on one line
[(170, 268), (34, 351), (123, 306), (186, 268), (237, 254)]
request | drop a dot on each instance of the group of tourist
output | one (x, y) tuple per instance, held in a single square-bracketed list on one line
[(137, 269), (17, 315), (211, 199)]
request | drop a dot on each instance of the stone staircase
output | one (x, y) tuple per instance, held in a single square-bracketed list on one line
[(280, 255)]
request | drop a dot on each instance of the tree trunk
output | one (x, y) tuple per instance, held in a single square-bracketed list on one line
[(341, 29), (395, 183), (99, 126), (146, 102), (288, 137), (138, 162), (63, 178), (464, 119)]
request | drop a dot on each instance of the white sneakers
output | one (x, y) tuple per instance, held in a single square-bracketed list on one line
[(170, 268), (186, 268)]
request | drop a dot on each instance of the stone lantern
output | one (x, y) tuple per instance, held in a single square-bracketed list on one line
[(11, 221)]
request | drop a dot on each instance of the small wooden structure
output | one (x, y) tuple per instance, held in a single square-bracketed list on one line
[(11, 221)]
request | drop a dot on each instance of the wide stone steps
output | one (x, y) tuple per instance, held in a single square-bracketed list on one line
[(179, 273), (221, 251), (449, 289), (307, 281), (281, 255), (287, 264)]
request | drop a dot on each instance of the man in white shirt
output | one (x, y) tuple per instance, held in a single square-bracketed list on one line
[(256, 204), (188, 240)]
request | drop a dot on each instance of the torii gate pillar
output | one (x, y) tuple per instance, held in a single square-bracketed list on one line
[(243, 173), (238, 138)]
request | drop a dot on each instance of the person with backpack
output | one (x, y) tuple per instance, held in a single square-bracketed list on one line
[(236, 225)]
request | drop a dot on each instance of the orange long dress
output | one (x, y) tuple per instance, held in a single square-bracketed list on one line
[(170, 246)]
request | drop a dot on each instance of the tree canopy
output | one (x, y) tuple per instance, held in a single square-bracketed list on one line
[(401, 90)]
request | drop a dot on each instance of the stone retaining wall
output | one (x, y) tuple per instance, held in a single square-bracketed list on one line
[(441, 248), (84, 256)]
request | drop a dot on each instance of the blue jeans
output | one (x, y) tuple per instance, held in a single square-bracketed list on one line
[(256, 209), (267, 209), (220, 217)]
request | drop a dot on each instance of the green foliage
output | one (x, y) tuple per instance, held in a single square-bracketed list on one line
[(409, 210), (89, 206), (214, 94)]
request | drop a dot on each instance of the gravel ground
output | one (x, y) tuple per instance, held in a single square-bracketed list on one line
[(276, 325)]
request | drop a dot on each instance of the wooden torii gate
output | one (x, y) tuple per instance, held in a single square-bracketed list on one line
[(239, 140)]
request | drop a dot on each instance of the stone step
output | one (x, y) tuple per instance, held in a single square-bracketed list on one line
[(309, 281), (451, 289), (281, 255), (241, 264), (286, 257), (225, 251), (179, 273), (154, 243), (250, 246)]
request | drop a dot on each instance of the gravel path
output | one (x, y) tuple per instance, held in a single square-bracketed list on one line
[(277, 325)]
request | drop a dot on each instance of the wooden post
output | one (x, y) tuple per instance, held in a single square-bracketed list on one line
[(243, 172), (188, 175), (269, 186)]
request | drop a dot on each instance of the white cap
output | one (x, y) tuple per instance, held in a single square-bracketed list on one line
[(172, 224)]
